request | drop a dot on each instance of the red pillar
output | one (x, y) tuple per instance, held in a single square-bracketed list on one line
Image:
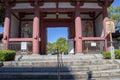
[(43, 40), (6, 27), (105, 17), (78, 31), (36, 30)]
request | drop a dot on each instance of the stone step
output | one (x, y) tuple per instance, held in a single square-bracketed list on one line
[(62, 68), (54, 57), (55, 63), (45, 79), (103, 78), (63, 75), (108, 78)]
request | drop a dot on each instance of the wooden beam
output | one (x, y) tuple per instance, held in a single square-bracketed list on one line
[(23, 10), (59, 10), (26, 19), (91, 1), (93, 38), (20, 39), (61, 19), (15, 16), (98, 14)]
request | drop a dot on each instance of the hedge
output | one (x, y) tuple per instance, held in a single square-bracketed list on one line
[(106, 55), (117, 54), (7, 55)]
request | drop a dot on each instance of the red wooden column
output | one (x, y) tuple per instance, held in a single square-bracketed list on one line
[(43, 39), (6, 26), (78, 31), (105, 17), (71, 27), (36, 21)]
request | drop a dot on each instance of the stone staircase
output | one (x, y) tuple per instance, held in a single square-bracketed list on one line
[(71, 68)]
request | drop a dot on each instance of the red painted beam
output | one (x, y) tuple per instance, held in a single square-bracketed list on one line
[(93, 38), (20, 39), (59, 10)]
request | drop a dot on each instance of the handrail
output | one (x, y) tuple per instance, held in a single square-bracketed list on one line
[(58, 66)]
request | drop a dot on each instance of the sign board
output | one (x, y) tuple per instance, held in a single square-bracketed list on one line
[(23, 46), (110, 26), (93, 44)]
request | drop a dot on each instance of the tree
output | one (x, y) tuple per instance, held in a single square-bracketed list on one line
[(110, 10), (61, 45), (51, 47), (2, 14), (114, 13)]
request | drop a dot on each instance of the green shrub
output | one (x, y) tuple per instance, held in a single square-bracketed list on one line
[(106, 55), (118, 38), (117, 54), (7, 55)]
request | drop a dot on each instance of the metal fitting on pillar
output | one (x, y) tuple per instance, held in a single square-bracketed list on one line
[(5, 38), (36, 37)]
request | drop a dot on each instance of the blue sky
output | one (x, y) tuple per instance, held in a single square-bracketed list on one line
[(54, 33), (116, 3), (1, 29)]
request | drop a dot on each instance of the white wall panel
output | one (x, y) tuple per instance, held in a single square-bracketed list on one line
[(22, 6)]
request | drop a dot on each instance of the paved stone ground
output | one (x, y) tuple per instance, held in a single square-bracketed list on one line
[(109, 78)]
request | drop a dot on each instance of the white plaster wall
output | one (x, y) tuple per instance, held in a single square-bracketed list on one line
[(99, 26), (54, 16), (29, 17), (50, 16), (62, 16), (14, 27), (65, 5), (22, 6), (48, 5), (16, 14), (90, 5), (85, 16)]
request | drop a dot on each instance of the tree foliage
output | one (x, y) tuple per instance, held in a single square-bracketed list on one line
[(114, 13), (61, 45), (51, 47), (2, 14)]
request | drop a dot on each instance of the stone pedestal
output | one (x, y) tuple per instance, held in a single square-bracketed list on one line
[(70, 46)]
